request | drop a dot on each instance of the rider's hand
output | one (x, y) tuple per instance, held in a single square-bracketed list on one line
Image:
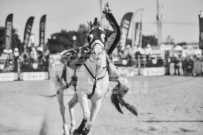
[(84, 50), (106, 9)]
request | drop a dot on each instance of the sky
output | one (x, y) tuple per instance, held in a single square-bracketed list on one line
[(180, 17)]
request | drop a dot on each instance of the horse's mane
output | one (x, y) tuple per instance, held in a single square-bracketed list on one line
[(95, 24)]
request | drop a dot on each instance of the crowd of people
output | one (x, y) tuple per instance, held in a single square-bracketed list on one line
[(137, 55), (190, 65), (33, 59), (176, 63)]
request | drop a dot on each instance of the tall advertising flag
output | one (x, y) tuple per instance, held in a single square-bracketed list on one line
[(125, 26), (27, 32), (201, 30), (8, 33), (138, 33), (137, 28), (42, 31)]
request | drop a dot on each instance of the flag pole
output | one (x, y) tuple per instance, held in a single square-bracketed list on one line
[(133, 25)]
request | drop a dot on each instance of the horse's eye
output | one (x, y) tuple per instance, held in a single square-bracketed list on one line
[(90, 38), (103, 37)]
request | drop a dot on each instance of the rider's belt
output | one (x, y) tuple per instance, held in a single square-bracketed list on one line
[(74, 80)]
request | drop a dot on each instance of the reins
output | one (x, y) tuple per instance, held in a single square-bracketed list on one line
[(95, 82), (74, 79)]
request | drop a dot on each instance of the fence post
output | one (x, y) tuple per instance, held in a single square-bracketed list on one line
[(139, 66), (18, 68)]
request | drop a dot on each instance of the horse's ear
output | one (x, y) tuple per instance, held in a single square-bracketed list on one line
[(94, 24), (90, 25), (95, 21)]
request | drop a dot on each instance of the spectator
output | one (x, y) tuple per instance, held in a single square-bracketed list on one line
[(40, 56), (33, 55), (177, 65), (197, 65), (139, 52), (168, 62), (16, 57), (25, 62), (148, 51), (7, 58), (120, 51), (46, 63), (128, 54), (184, 61), (189, 65)]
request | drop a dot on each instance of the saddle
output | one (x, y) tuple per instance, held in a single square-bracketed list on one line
[(77, 63)]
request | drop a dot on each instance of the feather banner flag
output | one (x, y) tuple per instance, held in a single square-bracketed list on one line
[(201, 30), (137, 28), (27, 32), (8, 31), (42, 31), (125, 26)]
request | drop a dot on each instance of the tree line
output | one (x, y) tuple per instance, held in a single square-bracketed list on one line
[(62, 40)]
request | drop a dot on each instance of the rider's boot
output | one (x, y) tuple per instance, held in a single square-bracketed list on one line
[(81, 128)]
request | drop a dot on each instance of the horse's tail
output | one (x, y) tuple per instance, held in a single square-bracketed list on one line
[(131, 108), (57, 79), (117, 99)]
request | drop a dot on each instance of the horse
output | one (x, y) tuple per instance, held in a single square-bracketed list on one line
[(92, 76), (90, 81)]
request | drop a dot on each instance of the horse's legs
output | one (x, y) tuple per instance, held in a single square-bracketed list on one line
[(82, 98), (96, 104), (71, 105), (59, 96)]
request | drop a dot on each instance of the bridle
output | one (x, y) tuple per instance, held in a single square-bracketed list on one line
[(97, 36), (95, 80)]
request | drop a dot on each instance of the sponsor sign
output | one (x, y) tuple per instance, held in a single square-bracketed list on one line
[(154, 71), (131, 71), (8, 76), (28, 76)]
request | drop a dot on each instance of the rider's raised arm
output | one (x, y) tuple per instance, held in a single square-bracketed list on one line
[(113, 36)]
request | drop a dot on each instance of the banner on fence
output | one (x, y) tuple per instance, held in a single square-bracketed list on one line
[(8, 76), (29, 76)]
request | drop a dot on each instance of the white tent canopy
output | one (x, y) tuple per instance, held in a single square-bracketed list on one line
[(177, 48)]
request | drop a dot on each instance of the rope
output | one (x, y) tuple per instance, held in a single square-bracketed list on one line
[(172, 84)]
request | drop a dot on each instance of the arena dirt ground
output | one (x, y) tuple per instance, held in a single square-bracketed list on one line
[(167, 105)]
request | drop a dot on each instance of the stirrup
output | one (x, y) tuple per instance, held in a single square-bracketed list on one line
[(86, 131), (81, 128)]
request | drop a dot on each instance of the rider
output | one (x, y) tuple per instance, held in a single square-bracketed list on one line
[(79, 55)]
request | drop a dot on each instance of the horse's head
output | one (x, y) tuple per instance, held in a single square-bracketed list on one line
[(96, 40)]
